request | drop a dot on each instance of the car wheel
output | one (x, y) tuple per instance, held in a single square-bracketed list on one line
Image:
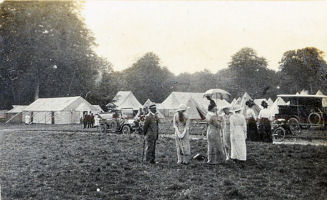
[(126, 129), (314, 119), (294, 125), (278, 134)]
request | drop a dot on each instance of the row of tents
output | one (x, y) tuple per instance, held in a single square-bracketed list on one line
[(69, 110), (196, 103)]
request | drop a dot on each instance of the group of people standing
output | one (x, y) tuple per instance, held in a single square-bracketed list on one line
[(227, 132), (90, 120), (226, 135), (259, 127)]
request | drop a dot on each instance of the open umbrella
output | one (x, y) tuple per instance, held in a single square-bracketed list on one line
[(217, 94)]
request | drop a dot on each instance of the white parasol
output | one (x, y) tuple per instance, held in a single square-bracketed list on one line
[(217, 94)]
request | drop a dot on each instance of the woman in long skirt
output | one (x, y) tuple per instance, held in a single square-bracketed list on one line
[(238, 135), (216, 152), (226, 131), (251, 119), (181, 123), (265, 119)]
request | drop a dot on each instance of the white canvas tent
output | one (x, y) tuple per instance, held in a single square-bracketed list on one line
[(15, 115), (147, 103), (62, 110), (126, 99), (194, 110), (97, 109), (237, 102), (270, 102), (233, 102), (169, 106), (195, 101)]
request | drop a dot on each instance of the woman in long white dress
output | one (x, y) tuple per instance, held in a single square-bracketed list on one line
[(181, 124), (226, 130), (238, 135), (216, 153)]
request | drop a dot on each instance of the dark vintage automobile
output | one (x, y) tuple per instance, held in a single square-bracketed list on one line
[(303, 111), (120, 121)]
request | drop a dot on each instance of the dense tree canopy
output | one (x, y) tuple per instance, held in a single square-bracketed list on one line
[(147, 79), (46, 50), (303, 69), (250, 73)]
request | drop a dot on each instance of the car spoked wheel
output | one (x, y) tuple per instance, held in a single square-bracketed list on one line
[(279, 134), (314, 119), (126, 129), (294, 125)]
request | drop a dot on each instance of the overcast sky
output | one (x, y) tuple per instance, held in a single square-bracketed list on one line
[(192, 36)]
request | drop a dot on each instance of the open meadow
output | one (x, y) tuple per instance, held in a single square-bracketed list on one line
[(60, 162)]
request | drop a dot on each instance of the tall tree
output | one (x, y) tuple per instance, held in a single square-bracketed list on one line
[(251, 73), (303, 69), (46, 50), (147, 79)]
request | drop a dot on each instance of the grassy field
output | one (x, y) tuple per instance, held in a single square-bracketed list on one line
[(53, 162)]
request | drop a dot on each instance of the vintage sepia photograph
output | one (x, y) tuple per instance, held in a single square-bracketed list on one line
[(163, 99)]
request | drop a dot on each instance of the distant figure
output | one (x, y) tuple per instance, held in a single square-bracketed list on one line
[(85, 120), (151, 131), (27, 119), (97, 121), (226, 131), (265, 119), (251, 118), (216, 152), (91, 120), (238, 135), (181, 124)]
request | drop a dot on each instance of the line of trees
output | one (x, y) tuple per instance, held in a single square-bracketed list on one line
[(47, 51)]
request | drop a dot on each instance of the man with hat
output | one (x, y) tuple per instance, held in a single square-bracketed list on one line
[(151, 131)]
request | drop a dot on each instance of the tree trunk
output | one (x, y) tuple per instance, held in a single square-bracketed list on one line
[(37, 87)]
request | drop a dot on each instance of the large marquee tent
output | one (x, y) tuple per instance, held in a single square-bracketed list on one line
[(62, 110), (126, 99)]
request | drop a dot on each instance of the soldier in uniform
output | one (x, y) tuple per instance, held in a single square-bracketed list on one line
[(151, 131)]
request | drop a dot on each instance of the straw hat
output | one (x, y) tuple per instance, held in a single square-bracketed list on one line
[(237, 108), (182, 107)]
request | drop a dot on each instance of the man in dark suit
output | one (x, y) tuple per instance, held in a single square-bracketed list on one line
[(151, 131)]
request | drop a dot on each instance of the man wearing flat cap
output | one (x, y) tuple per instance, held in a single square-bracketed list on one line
[(151, 131)]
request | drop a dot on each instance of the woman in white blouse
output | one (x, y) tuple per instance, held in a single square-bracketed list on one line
[(251, 119), (265, 119)]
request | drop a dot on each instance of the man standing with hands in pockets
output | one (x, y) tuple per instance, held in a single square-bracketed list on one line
[(151, 131)]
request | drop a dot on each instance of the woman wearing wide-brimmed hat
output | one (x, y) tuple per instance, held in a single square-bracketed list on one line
[(265, 119), (226, 130), (216, 153), (238, 134), (181, 123)]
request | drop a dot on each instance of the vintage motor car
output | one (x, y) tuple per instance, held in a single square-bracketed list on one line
[(119, 121), (303, 111)]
